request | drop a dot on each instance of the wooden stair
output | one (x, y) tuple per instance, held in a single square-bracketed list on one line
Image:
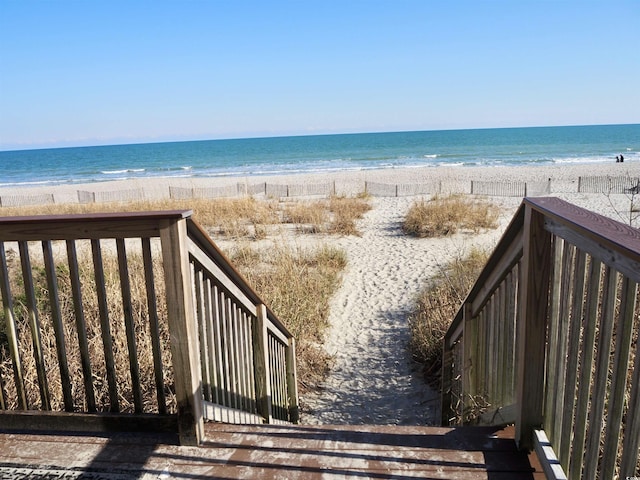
[(273, 452)]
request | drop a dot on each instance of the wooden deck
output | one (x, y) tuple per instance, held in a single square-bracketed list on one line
[(270, 452)]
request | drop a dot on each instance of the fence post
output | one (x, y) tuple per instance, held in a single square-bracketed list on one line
[(579, 184), (531, 327), (471, 187), (261, 364), (292, 385), (183, 331)]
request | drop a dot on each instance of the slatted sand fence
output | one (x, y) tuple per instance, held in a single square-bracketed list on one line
[(133, 320), (16, 200), (548, 339), (609, 184)]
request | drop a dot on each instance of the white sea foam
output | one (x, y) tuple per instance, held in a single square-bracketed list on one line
[(119, 172)]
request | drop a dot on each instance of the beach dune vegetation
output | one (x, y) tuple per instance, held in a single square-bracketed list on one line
[(436, 307), (442, 216)]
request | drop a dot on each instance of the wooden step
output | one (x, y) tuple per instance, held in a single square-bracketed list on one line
[(274, 452)]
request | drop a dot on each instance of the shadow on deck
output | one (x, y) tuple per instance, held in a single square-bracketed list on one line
[(263, 452)]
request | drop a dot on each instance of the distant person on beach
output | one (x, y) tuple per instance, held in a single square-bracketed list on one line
[(621, 158)]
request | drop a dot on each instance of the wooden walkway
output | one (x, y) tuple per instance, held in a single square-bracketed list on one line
[(273, 452)]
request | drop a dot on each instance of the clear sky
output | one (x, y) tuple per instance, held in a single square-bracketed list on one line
[(102, 72)]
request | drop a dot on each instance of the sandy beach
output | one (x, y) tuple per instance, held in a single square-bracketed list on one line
[(373, 379)]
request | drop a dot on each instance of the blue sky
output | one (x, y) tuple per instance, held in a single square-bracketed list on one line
[(91, 73)]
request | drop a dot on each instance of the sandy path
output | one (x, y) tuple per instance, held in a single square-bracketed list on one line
[(373, 380)]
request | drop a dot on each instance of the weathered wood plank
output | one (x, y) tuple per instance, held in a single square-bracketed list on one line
[(563, 337), (532, 326), (589, 225), (50, 422), (614, 424), (130, 329), (58, 324), (183, 328), (34, 325), (81, 326), (297, 453), (586, 362), (631, 444), (11, 330), (154, 326), (564, 449), (292, 384), (599, 393), (86, 226), (105, 325), (553, 329), (262, 365)]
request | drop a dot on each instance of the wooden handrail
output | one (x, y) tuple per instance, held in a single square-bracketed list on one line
[(532, 342), (119, 350)]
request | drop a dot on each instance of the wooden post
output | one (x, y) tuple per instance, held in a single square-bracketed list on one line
[(469, 342), (292, 385), (261, 362), (531, 327), (183, 331)]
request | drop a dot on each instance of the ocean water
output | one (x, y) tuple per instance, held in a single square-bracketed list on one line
[(322, 153)]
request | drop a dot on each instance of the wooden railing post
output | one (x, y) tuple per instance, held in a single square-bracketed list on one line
[(261, 361), (292, 384), (468, 360), (531, 327), (183, 331)]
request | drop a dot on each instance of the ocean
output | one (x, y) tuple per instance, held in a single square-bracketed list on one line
[(322, 153)]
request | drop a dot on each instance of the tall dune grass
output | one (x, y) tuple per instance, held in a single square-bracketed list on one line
[(436, 307), (448, 215)]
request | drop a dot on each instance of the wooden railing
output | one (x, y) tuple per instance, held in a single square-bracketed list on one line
[(134, 321), (548, 339)]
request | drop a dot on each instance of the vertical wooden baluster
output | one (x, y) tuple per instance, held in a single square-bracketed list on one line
[(11, 331), (125, 288), (624, 333), (105, 326), (219, 355), (551, 380), (34, 324), (58, 324), (153, 325), (586, 363), (631, 445), (250, 363), (563, 334), (81, 326), (210, 318), (224, 344), (572, 359), (198, 280), (599, 393)]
